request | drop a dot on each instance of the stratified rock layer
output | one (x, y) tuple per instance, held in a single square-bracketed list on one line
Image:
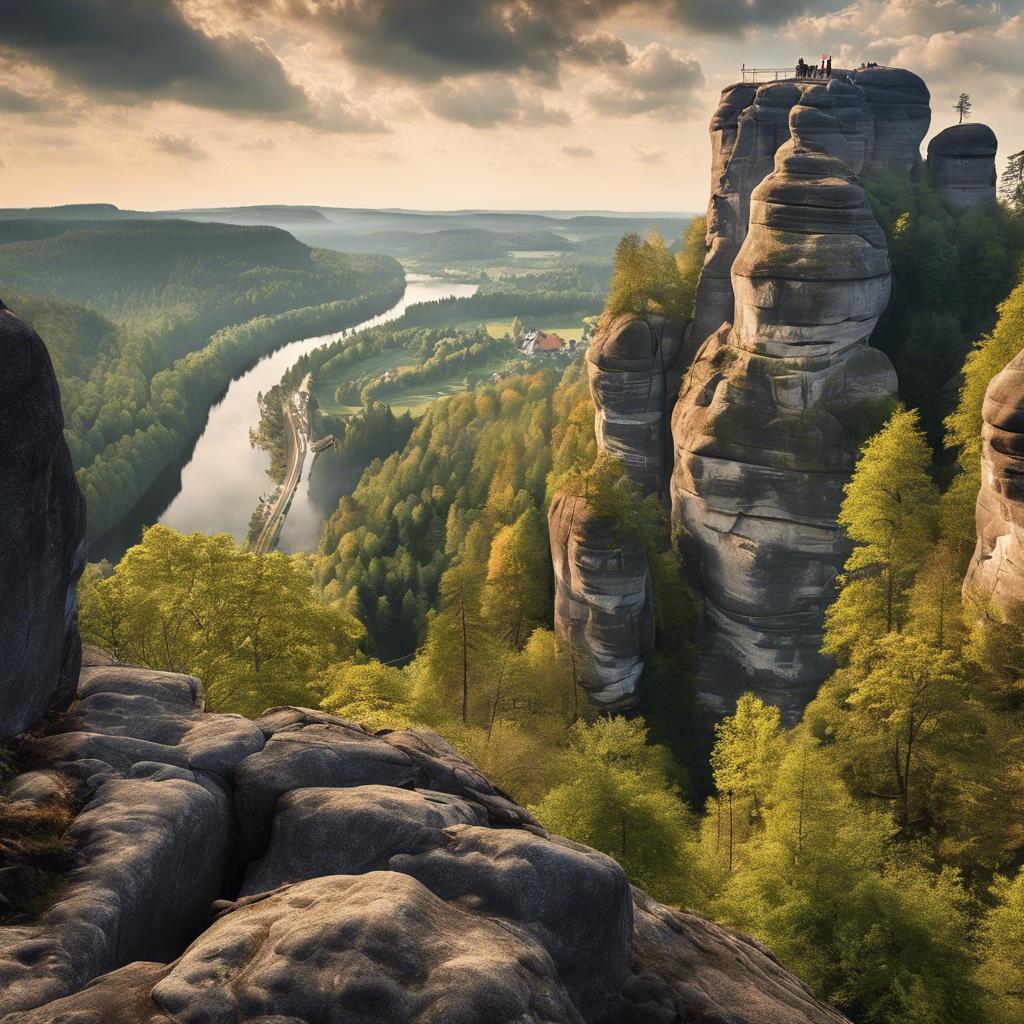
[(994, 586), (635, 368), (879, 118), (42, 535), (771, 415), (962, 160), (386, 881), (603, 610)]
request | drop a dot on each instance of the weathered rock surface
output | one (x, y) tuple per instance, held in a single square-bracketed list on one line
[(881, 117), (771, 414), (994, 585), (374, 899), (635, 368), (962, 160), (603, 604), (42, 526)]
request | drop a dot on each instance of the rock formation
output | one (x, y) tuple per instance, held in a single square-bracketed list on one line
[(962, 160), (382, 879), (881, 117), (603, 605), (635, 368), (772, 412), (42, 526), (994, 586)]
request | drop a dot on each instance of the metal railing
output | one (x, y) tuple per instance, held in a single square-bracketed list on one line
[(767, 74)]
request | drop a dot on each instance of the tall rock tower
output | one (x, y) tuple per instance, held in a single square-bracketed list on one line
[(771, 414), (994, 586), (962, 160)]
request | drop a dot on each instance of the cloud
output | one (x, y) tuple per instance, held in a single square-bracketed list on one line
[(577, 150), (657, 79), (149, 50), (335, 113), (440, 39), (182, 146), (263, 144), (490, 103), (650, 156), (14, 102)]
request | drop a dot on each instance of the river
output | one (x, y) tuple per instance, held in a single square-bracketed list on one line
[(220, 486)]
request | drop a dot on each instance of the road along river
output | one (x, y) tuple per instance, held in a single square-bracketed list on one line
[(223, 481)]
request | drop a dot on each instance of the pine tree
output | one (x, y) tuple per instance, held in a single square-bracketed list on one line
[(890, 513), (1011, 184), (963, 107)]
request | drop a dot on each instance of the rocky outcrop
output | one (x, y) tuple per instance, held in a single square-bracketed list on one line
[(994, 586), (771, 415), (962, 161), (387, 881), (42, 526), (879, 117), (603, 609), (635, 368)]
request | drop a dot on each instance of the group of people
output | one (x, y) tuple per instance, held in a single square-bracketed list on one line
[(823, 70)]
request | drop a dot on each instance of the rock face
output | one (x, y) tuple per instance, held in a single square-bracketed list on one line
[(881, 117), (603, 609), (962, 160), (42, 523), (385, 881), (994, 585), (635, 368), (772, 412)]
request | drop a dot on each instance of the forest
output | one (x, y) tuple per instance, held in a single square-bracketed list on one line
[(150, 320), (876, 846)]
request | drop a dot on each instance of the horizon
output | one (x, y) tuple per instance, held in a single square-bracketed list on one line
[(192, 104)]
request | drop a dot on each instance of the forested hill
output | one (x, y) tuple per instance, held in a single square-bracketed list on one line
[(149, 320)]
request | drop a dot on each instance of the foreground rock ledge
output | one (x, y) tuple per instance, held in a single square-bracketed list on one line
[(382, 878)]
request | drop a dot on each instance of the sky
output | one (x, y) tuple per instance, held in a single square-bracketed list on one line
[(438, 104)]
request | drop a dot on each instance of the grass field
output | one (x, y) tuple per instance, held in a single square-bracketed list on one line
[(570, 330)]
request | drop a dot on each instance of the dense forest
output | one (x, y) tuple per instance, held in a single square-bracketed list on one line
[(877, 845), (149, 321)]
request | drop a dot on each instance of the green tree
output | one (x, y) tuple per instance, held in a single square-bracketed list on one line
[(963, 107), (370, 693), (890, 513), (617, 799), (252, 627), (1011, 184), (1001, 973), (748, 748), (456, 663), (517, 593)]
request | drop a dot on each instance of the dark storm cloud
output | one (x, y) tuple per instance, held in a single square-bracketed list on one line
[(146, 48), (440, 38)]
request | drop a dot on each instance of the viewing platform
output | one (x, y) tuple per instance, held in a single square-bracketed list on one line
[(757, 76)]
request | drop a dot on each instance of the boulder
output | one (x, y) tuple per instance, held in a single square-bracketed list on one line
[(994, 585), (771, 416), (42, 523), (373, 902), (900, 107), (635, 368), (962, 161), (603, 604)]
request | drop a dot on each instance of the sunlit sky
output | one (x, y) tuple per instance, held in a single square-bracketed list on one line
[(437, 104)]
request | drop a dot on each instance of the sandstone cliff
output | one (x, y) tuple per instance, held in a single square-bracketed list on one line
[(42, 535), (635, 368), (962, 161), (771, 414), (603, 609), (994, 586), (361, 878), (881, 117)]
